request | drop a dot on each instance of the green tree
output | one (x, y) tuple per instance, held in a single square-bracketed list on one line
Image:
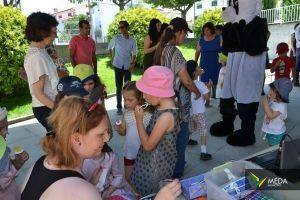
[(290, 2), (139, 19), (72, 23), (213, 16), (268, 4), (183, 6), (13, 47)]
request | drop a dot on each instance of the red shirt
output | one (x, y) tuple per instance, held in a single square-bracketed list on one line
[(83, 49), (284, 68)]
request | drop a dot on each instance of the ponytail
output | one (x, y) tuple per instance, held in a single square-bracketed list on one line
[(166, 37)]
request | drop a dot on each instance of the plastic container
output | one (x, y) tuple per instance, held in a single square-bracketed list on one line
[(217, 178)]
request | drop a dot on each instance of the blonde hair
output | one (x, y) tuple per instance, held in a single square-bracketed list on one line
[(72, 115)]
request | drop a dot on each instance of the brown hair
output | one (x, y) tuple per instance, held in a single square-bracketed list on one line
[(131, 86), (71, 115), (210, 26), (167, 36)]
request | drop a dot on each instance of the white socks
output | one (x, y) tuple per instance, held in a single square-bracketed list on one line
[(203, 149)]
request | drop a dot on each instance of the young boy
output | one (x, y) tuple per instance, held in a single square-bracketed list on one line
[(283, 65)]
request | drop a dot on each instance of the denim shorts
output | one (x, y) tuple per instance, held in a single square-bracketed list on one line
[(274, 139)]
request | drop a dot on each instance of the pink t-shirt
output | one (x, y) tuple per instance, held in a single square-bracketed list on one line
[(83, 49)]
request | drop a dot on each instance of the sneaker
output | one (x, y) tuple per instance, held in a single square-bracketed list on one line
[(119, 112), (205, 156), (192, 142)]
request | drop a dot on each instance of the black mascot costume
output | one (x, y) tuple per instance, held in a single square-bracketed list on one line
[(245, 40)]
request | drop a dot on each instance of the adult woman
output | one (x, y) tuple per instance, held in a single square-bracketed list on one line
[(167, 54), (209, 46), (40, 69), (79, 132), (151, 42)]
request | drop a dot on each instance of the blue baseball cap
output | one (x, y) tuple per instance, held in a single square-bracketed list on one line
[(71, 85)]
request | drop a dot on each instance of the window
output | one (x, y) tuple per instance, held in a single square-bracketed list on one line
[(59, 16), (199, 6), (214, 3), (69, 14)]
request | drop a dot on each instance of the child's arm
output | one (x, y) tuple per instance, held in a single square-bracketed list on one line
[(271, 114), (274, 66), (208, 94), (164, 123), (117, 177)]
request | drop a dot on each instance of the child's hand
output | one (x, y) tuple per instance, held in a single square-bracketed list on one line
[(107, 192), (170, 191), (209, 84), (138, 112), (96, 175)]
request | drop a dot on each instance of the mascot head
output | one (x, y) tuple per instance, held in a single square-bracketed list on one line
[(241, 9)]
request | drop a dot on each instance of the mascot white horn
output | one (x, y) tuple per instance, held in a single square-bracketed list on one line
[(245, 40)]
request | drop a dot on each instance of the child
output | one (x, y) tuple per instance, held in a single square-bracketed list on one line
[(223, 61), (91, 82), (104, 172), (282, 65), (132, 97), (157, 156), (197, 120), (275, 107), (62, 71), (8, 168)]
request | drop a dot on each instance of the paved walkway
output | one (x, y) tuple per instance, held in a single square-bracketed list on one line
[(27, 134)]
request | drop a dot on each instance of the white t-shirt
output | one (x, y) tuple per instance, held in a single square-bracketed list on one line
[(132, 140), (198, 106), (276, 126), (37, 63)]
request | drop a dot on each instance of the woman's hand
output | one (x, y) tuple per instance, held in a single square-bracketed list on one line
[(170, 191), (138, 112)]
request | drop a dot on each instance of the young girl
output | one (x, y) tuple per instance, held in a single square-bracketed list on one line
[(8, 168), (104, 172), (222, 60), (157, 156), (91, 83), (275, 107), (197, 121), (132, 97)]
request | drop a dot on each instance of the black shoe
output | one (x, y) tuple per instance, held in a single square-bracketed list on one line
[(297, 84), (119, 112), (192, 142), (205, 156)]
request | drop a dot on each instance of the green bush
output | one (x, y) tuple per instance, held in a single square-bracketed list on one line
[(139, 19), (213, 16), (13, 47)]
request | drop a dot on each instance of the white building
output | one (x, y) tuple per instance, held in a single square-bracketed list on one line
[(203, 5)]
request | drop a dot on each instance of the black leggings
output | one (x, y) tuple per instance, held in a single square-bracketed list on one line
[(41, 114)]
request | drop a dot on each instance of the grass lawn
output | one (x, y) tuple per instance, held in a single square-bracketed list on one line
[(19, 104)]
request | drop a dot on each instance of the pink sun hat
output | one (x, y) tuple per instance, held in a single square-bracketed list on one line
[(157, 81)]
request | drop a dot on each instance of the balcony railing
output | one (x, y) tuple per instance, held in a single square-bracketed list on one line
[(282, 14)]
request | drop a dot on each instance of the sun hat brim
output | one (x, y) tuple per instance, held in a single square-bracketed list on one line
[(89, 78), (154, 91)]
